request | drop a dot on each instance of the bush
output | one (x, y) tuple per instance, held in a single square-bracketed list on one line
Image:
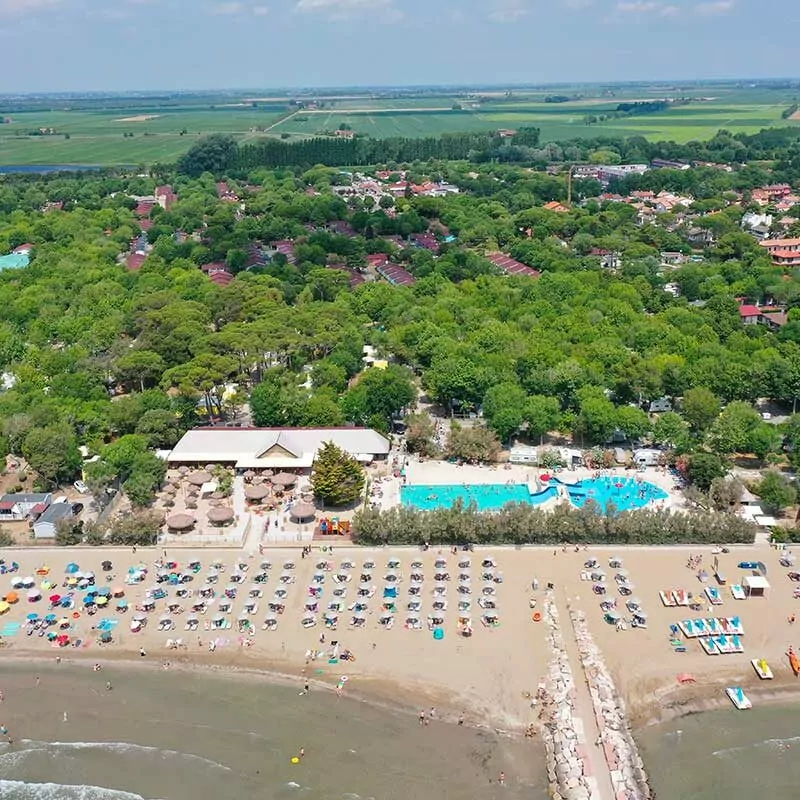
[(525, 524), (135, 529), (6, 539)]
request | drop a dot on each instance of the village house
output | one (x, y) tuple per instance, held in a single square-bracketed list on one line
[(21, 505), (784, 252), (510, 266), (46, 525)]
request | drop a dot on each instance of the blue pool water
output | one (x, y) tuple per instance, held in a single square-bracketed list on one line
[(486, 496), (624, 493)]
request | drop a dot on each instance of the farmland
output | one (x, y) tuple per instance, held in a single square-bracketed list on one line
[(131, 130)]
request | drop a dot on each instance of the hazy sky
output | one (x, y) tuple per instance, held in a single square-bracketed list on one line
[(57, 45)]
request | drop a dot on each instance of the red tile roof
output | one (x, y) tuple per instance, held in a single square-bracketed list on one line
[(135, 260), (511, 266), (396, 275), (6, 505), (143, 209), (749, 311)]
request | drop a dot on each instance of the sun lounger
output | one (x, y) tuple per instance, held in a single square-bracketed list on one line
[(713, 595), (709, 646), (735, 626), (681, 597), (738, 698), (667, 598)]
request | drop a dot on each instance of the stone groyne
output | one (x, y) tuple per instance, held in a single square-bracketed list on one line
[(562, 731), (622, 756)]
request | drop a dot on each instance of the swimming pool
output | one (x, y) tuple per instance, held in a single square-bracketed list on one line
[(625, 493), (486, 496)]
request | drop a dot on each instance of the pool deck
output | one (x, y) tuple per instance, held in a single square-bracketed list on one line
[(445, 473)]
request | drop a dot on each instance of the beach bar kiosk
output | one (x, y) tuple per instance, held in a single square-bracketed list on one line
[(755, 586)]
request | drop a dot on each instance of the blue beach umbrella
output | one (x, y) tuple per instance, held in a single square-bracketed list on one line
[(104, 591), (88, 600), (50, 618), (438, 633), (72, 567), (32, 617)]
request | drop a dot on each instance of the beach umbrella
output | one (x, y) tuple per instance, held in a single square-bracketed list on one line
[(211, 467), (12, 597), (28, 582), (47, 585), (55, 599), (302, 510), (183, 470), (249, 475), (34, 595), (180, 522), (284, 479), (32, 617), (122, 605), (103, 590), (256, 492), (220, 514), (16, 583), (72, 568), (4, 607), (105, 636), (88, 600), (102, 600), (199, 478)]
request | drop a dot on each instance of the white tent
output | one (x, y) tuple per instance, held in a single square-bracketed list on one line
[(755, 585)]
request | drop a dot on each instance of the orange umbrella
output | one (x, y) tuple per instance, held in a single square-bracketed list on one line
[(12, 597)]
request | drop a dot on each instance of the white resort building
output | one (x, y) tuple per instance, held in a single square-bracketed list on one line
[(273, 448)]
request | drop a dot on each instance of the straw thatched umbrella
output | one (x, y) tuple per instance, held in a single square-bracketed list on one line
[(191, 504), (249, 475), (220, 515), (284, 479), (180, 522), (302, 511), (256, 492), (215, 502), (307, 489), (183, 470), (169, 489), (218, 496), (267, 473), (199, 478), (210, 467)]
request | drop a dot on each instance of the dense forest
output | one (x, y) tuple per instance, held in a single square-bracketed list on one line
[(124, 359)]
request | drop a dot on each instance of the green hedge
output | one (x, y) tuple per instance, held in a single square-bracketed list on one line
[(526, 524)]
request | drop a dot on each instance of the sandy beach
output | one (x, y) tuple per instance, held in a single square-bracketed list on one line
[(488, 677)]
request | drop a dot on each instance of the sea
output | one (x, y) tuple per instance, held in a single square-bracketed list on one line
[(200, 735), (725, 755)]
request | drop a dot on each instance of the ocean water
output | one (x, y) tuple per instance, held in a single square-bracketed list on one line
[(725, 755), (188, 735)]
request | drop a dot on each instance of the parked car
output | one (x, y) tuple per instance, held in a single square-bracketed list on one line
[(81, 487)]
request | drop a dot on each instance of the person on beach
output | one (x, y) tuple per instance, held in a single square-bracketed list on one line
[(460, 720), (302, 753), (66, 717), (109, 687), (792, 618), (142, 652), (502, 779), (38, 680), (422, 717)]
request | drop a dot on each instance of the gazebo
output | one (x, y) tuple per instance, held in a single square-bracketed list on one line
[(302, 510), (220, 515), (199, 478), (755, 585), (180, 522), (284, 479), (256, 492)]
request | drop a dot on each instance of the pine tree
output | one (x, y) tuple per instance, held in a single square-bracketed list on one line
[(337, 477)]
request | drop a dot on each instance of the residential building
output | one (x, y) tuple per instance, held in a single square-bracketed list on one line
[(395, 274), (749, 314), (20, 505), (165, 197), (45, 525), (274, 448), (510, 266), (554, 205), (784, 252)]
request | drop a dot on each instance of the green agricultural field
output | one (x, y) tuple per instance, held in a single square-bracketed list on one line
[(98, 137), (96, 127)]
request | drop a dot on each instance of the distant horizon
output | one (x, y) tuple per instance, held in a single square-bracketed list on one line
[(59, 46), (400, 87)]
